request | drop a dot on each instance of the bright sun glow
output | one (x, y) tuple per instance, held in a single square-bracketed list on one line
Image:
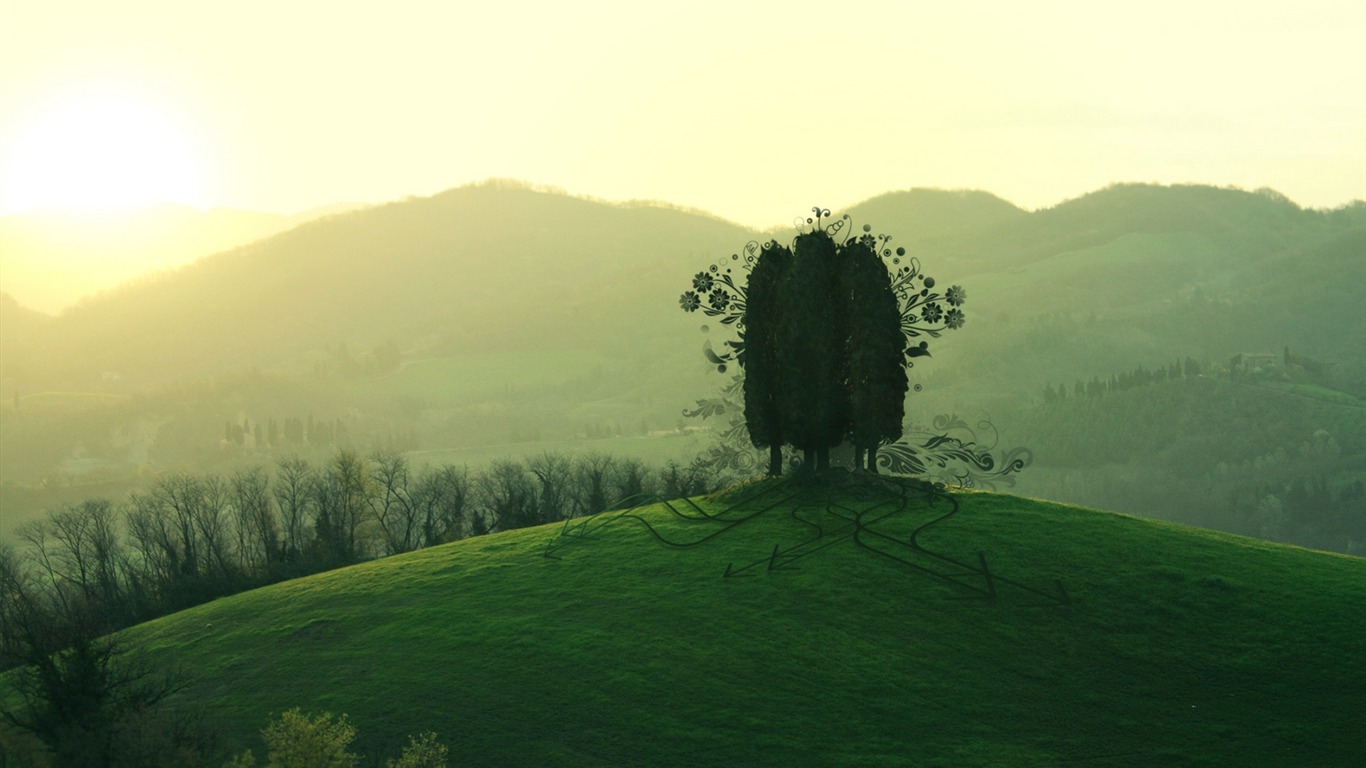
[(103, 149)]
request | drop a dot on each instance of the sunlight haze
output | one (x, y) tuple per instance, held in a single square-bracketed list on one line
[(751, 111)]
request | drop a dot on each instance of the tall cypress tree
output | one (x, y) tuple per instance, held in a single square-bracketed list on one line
[(763, 353), (814, 399), (876, 369)]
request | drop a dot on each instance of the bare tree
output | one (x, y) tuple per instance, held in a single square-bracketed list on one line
[(555, 478), (198, 507), (258, 527), (392, 505), (342, 497), (91, 552), (508, 497), (157, 561), (294, 479), (442, 501), (593, 472), (44, 553), (631, 481)]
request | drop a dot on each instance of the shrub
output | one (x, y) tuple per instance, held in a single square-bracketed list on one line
[(422, 752)]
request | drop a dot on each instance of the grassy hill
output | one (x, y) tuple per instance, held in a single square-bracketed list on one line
[(1172, 646)]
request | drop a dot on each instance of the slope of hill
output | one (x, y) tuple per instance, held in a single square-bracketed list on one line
[(50, 259), (18, 325), (478, 267), (1165, 645)]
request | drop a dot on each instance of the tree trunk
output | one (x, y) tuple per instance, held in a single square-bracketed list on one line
[(872, 459), (775, 460)]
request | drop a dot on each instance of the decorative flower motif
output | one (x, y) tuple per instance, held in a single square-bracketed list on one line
[(719, 300), (931, 312), (954, 318), (702, 282), (956, 295), (689, 301)]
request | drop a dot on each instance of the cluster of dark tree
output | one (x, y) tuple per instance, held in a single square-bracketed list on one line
[(1307, 510), (88, 569), (294, 432), (289, 431), (1138, 377), (823, 351), (826, 330)]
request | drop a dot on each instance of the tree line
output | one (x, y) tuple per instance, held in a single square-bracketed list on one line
[(191, 538), (86, 570), (1138, 377)]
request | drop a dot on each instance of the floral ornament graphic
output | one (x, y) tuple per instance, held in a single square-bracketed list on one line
[(719, 292), (722, 286), (951, 452), (954, 319)]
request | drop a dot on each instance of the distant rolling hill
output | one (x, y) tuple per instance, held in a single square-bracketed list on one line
[(472, 269), (498, 313), (52, 258), (1166, 271), (830, 643)]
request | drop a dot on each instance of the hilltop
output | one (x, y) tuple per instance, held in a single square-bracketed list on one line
[(1112, 641)]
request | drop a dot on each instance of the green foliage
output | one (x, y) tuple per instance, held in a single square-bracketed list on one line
[(422, 751), (296, 740)]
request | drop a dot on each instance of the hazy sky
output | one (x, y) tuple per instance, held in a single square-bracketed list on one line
[(751, 110)]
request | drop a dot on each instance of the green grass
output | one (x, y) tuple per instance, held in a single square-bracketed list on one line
[(1181, 646)]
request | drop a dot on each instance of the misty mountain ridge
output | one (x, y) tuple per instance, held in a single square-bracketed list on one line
[(94, 250), (504, 267), (498, 313)]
